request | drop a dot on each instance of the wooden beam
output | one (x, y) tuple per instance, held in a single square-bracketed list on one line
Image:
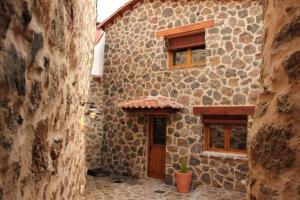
[(190, 28), (150, 111), (224, 110), (225, 121)]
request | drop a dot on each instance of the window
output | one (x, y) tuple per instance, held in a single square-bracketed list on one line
[(159, 130), (186, 50), (226, 133)]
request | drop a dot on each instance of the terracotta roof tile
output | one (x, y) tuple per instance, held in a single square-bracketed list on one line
[(98, 36), (151, 102)]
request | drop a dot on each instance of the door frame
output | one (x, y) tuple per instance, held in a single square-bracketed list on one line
[(149, 138)]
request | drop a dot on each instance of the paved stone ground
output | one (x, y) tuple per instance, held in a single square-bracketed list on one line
[(110, 188)]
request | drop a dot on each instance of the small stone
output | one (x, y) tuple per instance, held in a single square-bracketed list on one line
[(215, 84), (195, 85), (206, 179), (232, 22), (128, 136), (233, 82), (227, 91), (207, 100), (182, 142), (224, 170), (239, 99), (217, 96), (230, 72), (253, 28), (245, 37), (189, 79), (203, 78), (196, 148), (169, 179), (243, 13), (150, 43), (243, 167), (226, 30), (172, 148), (228, 185), (198, 93), (228, 46), (219, 178), (226, 60), (249, 49), (142, 16), (190, 119), (193, 161), (238, 63), (167, 12), (255, 10)]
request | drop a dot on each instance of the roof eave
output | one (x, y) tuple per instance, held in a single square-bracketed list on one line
[(128, 6)]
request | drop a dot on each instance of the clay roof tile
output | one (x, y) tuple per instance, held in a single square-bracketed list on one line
[(151, 102)]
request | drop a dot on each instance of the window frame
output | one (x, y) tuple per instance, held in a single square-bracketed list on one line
[(188, 63), (227, 126)]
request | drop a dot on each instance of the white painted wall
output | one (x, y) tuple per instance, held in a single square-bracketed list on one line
[(98, 63)]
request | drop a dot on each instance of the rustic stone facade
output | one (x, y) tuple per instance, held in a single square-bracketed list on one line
[(94, 129), (43, 83), (274, 141), (136, 66)]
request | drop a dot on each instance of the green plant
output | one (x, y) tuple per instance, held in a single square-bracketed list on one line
[(183, 166)]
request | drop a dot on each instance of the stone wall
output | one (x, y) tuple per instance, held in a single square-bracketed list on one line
[(94, 131), (45, 58), (136, 66), (275, 138)]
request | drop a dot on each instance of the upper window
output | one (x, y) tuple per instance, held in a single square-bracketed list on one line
[(186, 51), (226, 133)]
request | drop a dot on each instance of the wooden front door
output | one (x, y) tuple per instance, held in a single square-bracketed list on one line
[(157, 146)]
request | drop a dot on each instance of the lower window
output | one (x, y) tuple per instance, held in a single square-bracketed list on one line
[(226, 135)]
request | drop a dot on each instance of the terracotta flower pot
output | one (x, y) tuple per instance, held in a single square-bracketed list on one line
[(183, 181)]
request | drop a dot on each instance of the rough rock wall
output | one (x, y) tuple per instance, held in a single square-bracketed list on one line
[(275, 139), (136, 66), (94, 131), (43, 79)]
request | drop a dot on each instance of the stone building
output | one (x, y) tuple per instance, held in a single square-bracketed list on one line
[(180, 82)]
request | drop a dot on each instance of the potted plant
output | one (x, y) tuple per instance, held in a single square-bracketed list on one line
[(183, 177)]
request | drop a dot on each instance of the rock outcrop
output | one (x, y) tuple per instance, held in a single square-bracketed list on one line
[(275, 139), (45, 60)]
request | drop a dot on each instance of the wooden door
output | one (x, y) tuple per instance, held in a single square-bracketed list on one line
[(157, 146)]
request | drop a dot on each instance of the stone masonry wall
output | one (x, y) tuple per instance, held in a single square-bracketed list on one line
[(45, 58), (136, 66), (275, 139), (94, 129)]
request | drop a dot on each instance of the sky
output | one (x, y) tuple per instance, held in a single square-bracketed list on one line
[(107, 7)]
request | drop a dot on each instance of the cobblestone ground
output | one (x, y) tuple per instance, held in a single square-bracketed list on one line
[(114, 187)]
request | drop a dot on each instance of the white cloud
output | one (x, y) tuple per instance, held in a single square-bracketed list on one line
[(107, 7)]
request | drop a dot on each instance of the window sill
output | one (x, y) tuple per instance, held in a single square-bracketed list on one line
[(178, 67), (234, 156)]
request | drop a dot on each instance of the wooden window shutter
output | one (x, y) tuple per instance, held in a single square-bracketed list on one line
[(187, 41)]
